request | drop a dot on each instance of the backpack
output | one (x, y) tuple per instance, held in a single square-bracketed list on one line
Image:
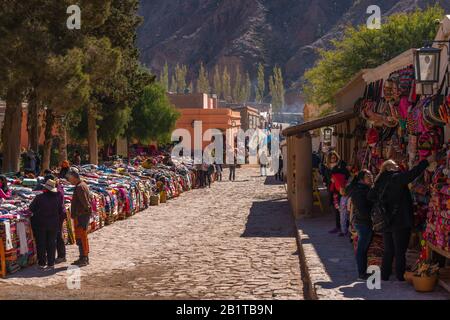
[(380, 217)]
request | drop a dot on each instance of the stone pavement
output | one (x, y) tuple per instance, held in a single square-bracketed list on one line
[(233, 241), (332, 267)]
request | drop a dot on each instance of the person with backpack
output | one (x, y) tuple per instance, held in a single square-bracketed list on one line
[(81, 213), (391, 189), (360, 218)]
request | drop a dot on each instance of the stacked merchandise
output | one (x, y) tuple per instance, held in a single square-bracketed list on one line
[(437, 232), (400, 125), (118, 191)]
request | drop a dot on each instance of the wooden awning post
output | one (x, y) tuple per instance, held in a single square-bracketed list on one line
[(305, 175)]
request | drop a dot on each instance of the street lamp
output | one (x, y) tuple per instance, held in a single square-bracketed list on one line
[(427, 63), (327, 132)]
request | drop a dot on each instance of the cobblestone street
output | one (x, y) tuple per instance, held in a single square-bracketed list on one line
[(233, 241)]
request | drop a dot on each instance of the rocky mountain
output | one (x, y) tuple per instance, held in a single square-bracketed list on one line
[(246, 32)]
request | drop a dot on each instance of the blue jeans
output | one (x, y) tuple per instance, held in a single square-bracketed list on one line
[(365, 234)]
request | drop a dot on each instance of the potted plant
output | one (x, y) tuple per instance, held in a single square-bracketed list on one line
[(410, 271), (426, 276)]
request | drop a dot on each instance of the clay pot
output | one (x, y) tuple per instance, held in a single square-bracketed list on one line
[(424, 284), (409, 276)]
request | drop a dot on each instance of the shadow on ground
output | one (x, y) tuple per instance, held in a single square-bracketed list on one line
[(270, 218)]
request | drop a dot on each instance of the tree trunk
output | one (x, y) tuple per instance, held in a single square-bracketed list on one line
[(48, 134), (62, 134), (33, 123), (11, 133), (92, 136)]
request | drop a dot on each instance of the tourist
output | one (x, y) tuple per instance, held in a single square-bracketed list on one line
[(65, 166), (391, 187), (204, 174), (5, 193), (209, 174), (263, 162), (232, 168), (60, 244), (81, 213), (47, 210), (361, 219), (219, 170), (343, 211), (334, 170), (279, 174), (29, 161)]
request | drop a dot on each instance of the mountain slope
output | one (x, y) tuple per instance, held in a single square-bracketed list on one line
[(246, 32)]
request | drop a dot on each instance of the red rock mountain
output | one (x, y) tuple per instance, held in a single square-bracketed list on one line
[(246, 32)]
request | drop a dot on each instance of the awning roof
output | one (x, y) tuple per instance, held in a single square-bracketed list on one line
[(329, 120)]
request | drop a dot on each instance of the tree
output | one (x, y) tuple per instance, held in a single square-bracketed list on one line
[(218, 88), (153, 116), (261, 84), (164, 77), (362, 48), (173, 84), (226, 85), (247, 88), (180, 78), (237, 88), (203, 81), (277, 89)]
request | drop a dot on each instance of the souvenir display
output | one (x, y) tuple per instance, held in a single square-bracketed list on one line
[(118, 191)]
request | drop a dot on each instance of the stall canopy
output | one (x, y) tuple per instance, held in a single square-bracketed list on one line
[(329, 120)]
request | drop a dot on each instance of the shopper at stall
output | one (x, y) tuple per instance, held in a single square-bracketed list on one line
[(5, 193), (60, 244), (81, 213), (279, 174), (335, 170), (65, 166), (232, 168), (47, 210), (391, 187), (219, 170), (360, 218)]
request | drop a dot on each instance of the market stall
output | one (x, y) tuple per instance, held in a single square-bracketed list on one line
[(118, 191)]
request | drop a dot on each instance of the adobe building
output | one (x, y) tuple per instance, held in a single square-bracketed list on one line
[(204, 108)]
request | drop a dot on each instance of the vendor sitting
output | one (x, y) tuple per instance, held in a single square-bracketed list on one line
[(5, 193)]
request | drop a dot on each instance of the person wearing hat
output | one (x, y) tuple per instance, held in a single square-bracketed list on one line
[(47, 209), (81, 214)]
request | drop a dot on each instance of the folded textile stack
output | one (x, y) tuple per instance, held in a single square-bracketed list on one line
[(118, 191), (438, 227)]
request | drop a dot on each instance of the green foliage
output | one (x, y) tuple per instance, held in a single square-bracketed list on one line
[(226, 84), (164, 77), (276, 86), (261, 84), (203, 81), (362, 48), (218, 89), (153, 117)]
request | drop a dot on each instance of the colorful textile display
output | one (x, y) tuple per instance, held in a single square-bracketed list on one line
[(118, 191)]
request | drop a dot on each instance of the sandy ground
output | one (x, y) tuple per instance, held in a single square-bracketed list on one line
[(233, 241)]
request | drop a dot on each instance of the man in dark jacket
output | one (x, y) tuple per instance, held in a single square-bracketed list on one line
[(47, 209), (392, 186), (361, 219), (81, 213)]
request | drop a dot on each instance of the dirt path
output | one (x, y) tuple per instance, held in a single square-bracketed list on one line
[(235, 240)]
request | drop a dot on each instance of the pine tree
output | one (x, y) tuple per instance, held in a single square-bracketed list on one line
[(180, 78), (217, 82), (247, 88), (203, 82), (237, 88), (261, 85), (277, 90), (173, 84), (164, 77), (226, 85)]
